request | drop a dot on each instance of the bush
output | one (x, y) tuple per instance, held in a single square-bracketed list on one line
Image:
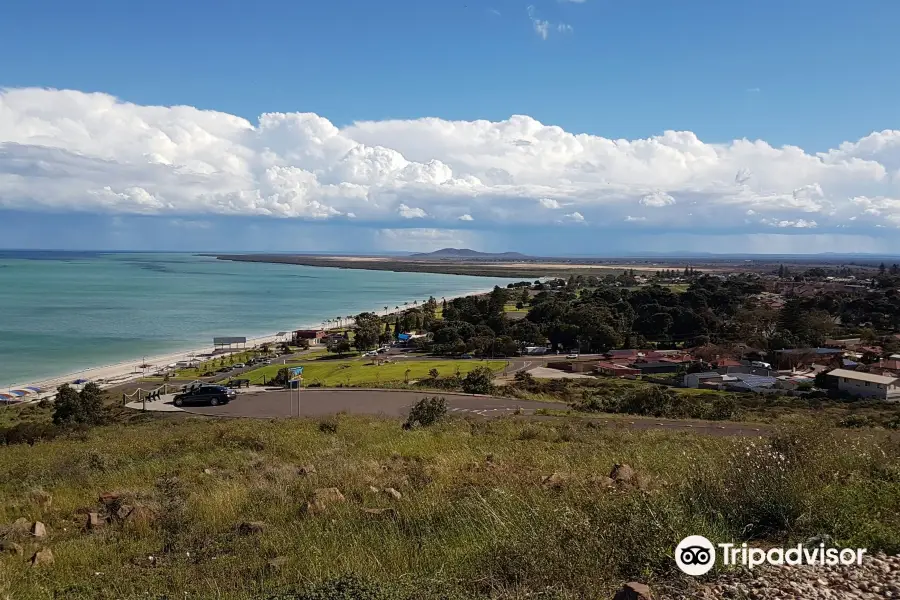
[(84, 407), (28, 433), (282, 377), (478, 381), (427, 411), (346, 587), (328, 426)]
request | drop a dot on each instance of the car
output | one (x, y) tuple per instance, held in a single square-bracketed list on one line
[(573, 355), (240, 366), (213, 395), (371, 353), (268, 361), (465, 356)]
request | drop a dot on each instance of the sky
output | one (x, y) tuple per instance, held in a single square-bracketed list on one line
[(541, 126)]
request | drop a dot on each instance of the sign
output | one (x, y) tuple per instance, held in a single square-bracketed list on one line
[(296, 371)]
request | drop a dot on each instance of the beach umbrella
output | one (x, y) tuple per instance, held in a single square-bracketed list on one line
[(17, 393), (80, 381), (6, 397), (36, 390), (22, 392)]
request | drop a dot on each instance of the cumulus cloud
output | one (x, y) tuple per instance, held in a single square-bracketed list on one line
[(657, 199), (466, 217), (408, 212), (543, 27), (574, 217), (65, 151), (549, 203)]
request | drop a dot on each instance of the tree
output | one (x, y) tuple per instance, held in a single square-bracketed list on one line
[(339, 347), (523, 296), (882, 269), (433, 373), (85, 407), (367, 331), (478, 381), (303, 343)]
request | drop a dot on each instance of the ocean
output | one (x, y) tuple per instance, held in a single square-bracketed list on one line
[(61, 312)]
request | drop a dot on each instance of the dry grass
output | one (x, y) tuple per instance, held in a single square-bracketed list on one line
[(474, 520)]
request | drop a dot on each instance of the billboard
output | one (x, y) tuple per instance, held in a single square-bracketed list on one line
[(296, 371)]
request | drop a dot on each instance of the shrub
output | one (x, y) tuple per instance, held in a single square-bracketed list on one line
[(346, 587), (328, 426), (478, 381), (427, 411), (28, 433)]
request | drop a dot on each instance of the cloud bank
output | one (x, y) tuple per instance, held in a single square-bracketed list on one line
[(65, 151)]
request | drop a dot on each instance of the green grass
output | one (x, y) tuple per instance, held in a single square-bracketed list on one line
[(359, 372), (474, 521)]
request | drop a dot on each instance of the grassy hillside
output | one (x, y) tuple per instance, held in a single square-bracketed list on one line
[(473, 520)]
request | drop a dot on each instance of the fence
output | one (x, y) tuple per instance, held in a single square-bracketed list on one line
[(142, 395)]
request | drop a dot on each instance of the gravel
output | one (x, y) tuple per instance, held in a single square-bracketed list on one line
[(877, 578)]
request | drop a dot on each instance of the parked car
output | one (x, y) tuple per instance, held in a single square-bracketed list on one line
[(213, 395), (240, 366), (573, 355), (371, 353), (465, 356)]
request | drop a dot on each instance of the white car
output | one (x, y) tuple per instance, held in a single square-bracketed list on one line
[(239, 366), (573, 355), (371, 353)]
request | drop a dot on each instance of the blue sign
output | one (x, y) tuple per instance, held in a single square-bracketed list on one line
[(295, 371)]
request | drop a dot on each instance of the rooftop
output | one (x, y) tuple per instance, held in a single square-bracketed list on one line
[(856, 375)]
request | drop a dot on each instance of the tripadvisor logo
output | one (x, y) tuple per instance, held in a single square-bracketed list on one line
[(696, 555)]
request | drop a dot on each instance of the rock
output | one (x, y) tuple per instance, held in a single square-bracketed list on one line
[(322, 498), (251, 527), (633, 591), (207, 471), (307, 470), (601, 481), (373, 489), (38, 530), (140, 517), (277, 562), (108, 498), (95, 521), (622, 473), (393, 493), (21, 525), (11, 548), (42, 498), (42, 557), (555, 480), (123, 511), (380, 512)]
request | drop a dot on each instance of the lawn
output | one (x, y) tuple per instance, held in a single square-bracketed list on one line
[(359, 372), (472, 520)]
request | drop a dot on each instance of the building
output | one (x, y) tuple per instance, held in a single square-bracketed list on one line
[(655, 367), (724, 375), (313, 336), (612, 369), (868, 385)]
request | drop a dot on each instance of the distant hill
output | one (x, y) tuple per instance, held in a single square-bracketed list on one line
[(466, 253)]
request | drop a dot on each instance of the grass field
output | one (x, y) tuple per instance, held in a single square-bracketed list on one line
[(358, 372), (474, 520)]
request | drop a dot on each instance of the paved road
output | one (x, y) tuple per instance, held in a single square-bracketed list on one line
[(396, 403), (392, 403)]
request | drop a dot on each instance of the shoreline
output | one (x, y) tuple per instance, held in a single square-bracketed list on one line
[(128, 370)]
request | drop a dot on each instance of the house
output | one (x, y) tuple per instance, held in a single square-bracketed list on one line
[(727, 374), (612, 369), (868, 385), (313, 336), (657, 366)]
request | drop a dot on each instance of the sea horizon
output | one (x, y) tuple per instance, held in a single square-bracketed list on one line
[(68, 311)]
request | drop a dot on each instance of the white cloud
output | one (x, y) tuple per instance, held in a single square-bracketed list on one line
[(543, 27), (66, 151), (549, 203), (408, 212), (630, 219), (466, 217), (657, 199), (424, 239), (574, 217)]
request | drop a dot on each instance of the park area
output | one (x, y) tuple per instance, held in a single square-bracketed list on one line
[(354, 372)]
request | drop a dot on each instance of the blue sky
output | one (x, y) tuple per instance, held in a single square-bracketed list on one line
[(801, 73)]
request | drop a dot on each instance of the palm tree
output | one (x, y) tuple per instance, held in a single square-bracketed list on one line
[(385, 310)]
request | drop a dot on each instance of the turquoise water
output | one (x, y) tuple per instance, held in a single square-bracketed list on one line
[(63, 312)]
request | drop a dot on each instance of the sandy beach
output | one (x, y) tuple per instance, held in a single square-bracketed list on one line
[(116, 374)]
